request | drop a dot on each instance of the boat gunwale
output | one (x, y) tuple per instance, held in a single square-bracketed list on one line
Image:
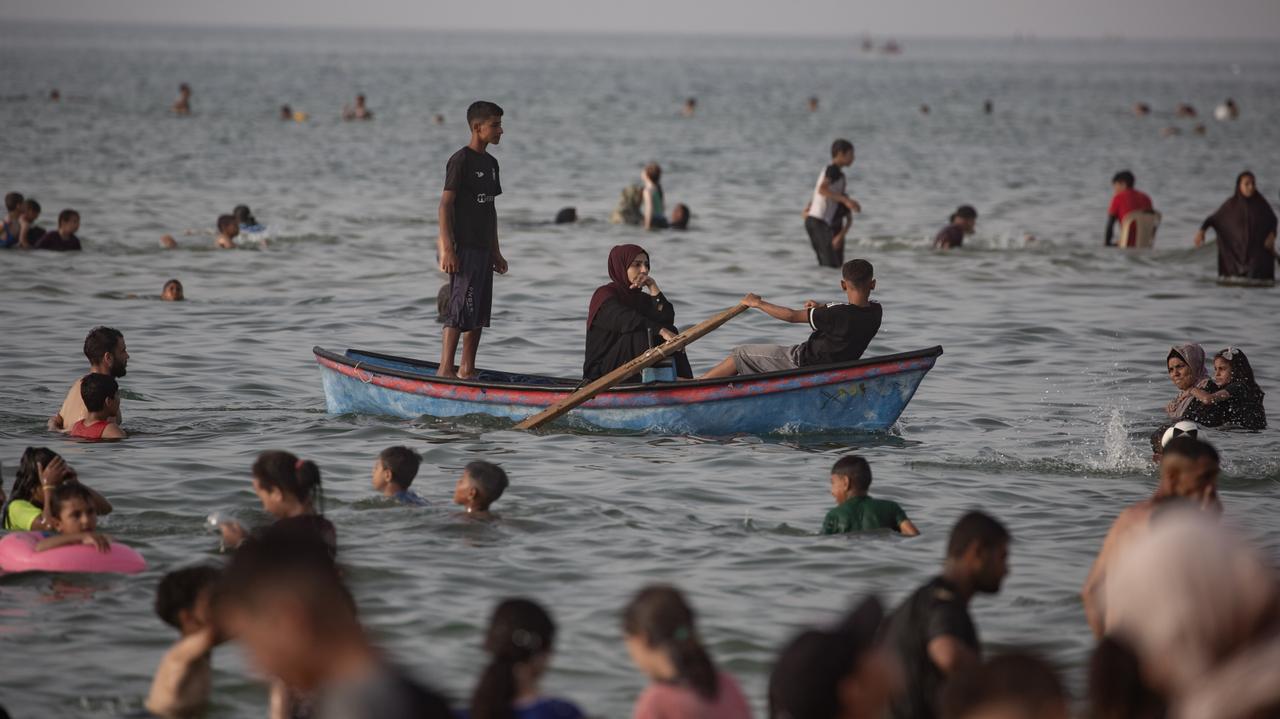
[(570, 385)]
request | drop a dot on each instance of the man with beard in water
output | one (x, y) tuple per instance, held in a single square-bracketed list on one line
[(932, 631), (107, 355)]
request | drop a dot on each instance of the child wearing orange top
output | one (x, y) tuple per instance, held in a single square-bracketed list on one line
[(99, 394)]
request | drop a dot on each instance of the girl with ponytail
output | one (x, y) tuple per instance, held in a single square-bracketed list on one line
[(290, 491), (664, 644), (519, 643)]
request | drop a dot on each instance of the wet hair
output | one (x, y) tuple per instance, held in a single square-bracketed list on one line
[(482, 110), (243, 214), (1020, 680), (858, 273), (30, 204), (1191, 448), (839, 147), (661, 617), (285, 559), (566, 215), (96, 389), (67, 215), (856, 469), (805, 681), (964, 212), (1117, 689), (68, 491), (519, 631), (403, 463), (1241, 370), (101, 341), (13, 201), (683, 222), (1123, 177), (297, 478), (976, 528), (489, 478), (168, 283), (227, 222), (26, 482), (178, 590), (286, 112)]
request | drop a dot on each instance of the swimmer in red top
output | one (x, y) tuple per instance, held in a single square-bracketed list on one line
[(1124, 200), (100, 395)]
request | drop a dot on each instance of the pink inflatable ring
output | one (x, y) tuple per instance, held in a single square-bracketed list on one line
[(18, 554)]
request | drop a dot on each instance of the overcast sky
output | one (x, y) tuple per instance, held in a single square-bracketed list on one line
[(1077, 18)]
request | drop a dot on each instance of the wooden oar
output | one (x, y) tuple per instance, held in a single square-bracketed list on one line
[(648, 359)]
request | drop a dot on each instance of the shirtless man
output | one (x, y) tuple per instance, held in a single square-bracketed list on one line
[(107, 355), (358, 112), (1188, 471), (182, 106)]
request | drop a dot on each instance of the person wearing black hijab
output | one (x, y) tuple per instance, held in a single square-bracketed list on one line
[(1246, 228), (628, 316)]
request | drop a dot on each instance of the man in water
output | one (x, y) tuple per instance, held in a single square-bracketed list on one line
[(1188, 471), (359, 112), (107, 354), (182, 106), (1124, 199), (932, 631)]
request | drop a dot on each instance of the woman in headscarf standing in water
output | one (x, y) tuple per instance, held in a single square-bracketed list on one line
[(1187, 372), (1246, 227), (628, 316)]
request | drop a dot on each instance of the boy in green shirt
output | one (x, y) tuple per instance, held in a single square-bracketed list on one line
[(856, 511)]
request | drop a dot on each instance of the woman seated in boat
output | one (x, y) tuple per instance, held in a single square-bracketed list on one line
[(628, 316)]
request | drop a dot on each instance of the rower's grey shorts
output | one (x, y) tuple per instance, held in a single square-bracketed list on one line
[(755, 359)]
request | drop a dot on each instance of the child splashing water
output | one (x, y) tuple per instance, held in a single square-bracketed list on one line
[(664, 644), (1233, 397), (519, 642), (290, 491)]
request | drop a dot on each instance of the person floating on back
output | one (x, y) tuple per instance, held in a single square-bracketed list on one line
[(841, 331), (932, 632), (64, 240), (1124, 201), (393, 471), (963, 222), (468, 241), (182, 106), (99, 392), (184, 679), (480, 485), (107, 354), (829, 195), (855, 510), (228, 231)]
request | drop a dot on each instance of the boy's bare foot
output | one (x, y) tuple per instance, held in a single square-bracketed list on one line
[(447, 372), (472, 375)]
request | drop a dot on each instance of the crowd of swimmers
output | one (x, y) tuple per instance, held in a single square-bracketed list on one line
[(1180, 632)]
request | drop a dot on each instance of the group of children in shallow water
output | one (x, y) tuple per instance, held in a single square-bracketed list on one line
[(20, 231)]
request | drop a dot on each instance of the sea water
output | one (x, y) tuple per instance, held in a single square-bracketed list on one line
[(1038, 412)]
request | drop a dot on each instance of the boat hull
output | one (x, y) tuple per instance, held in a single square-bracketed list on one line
[(865, 396)]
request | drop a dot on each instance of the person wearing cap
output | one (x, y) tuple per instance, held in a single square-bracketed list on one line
[(1188, 471), (962, 223), (842, 672)]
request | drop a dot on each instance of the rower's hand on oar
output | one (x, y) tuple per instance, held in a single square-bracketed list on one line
[(812, 304), (666, 334), (751, 300)]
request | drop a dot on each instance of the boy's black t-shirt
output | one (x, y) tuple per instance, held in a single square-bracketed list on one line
[(473, 177), (841, 333), (933, 611)]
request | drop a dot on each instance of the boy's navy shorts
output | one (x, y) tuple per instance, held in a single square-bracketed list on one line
[(470, 290)]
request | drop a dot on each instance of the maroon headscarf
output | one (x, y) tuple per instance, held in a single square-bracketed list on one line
[(620, 258)]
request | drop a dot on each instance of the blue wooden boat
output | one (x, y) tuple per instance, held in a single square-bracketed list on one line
[(867, 395)]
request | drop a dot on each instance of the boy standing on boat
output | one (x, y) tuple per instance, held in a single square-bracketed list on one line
[(841, 331), (468, 241)]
